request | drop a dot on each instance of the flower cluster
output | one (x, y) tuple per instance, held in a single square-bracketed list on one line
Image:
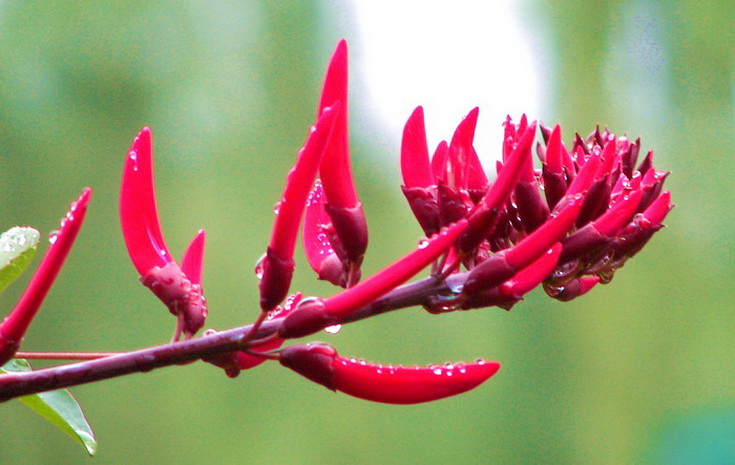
[(568, 226)]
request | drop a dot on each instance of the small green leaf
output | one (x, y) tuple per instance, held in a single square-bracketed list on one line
[(18, 245), (59, 408)]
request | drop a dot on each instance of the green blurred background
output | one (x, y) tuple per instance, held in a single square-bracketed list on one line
[(639, 371)]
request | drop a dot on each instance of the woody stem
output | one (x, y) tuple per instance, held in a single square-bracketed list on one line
[(64, 355)]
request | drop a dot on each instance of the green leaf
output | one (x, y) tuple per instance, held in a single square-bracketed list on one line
[(18, 245), (58, 407)]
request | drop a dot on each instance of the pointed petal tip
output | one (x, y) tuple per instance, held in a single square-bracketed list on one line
[(193, 261), (659, 208), (415, 164), (143, 136), (83, 199)]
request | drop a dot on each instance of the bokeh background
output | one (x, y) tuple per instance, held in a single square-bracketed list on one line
[(640, 371)]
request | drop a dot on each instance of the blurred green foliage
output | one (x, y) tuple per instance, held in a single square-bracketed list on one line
[(637, 372)]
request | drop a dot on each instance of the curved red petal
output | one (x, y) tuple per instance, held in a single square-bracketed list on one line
[(138, 212), (335, 168), (277, 265), (320, 252), (415, 165), (193, 260), (408, 385)]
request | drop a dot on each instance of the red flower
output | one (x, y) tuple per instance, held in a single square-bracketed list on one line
[(335, 227), (14, 327), (179, 288), (389, 384), (276, 268)]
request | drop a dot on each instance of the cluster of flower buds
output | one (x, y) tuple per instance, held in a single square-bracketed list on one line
[(567, 226), (14, 327)]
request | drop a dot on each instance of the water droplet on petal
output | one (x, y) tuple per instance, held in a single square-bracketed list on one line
[(456, 288), (133, 156), (53, 236), (277, 208), (260, 267), (423, 243), (334, 329)]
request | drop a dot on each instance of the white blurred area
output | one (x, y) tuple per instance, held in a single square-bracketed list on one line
[(449, 58)]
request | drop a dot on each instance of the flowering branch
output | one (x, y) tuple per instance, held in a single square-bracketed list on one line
[(566, 227)]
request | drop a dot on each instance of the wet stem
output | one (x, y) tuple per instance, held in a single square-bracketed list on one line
[(98, 366)]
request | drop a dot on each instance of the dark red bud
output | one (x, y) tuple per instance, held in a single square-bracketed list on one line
[(312, 361)]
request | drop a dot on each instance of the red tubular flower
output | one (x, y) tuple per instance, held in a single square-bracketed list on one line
[(277, 266), (14, 327), (315, 314), (507, 294), (419, 184), (342, 204), (532, 209), (318, 237), (384, 383), (557, 168), (180, 290)]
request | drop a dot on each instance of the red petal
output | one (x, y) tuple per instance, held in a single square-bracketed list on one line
[(415, 165), (193, 260), (319, 250), (138, 212), (335, 166), (277, 266)]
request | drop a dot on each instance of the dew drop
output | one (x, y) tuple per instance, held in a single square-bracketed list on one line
[(53, 236), (423, 243), (334, 329), (456, 288), (133, 156), (260, 267), (442, 303), (277, 208)]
